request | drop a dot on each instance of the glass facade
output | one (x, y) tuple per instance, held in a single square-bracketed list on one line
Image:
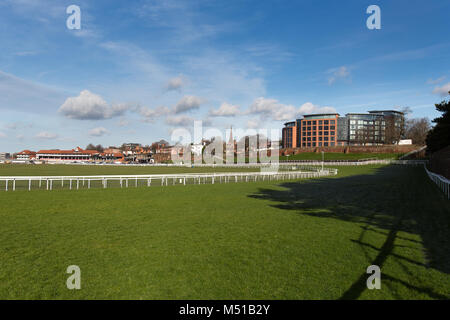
[(324, 130)]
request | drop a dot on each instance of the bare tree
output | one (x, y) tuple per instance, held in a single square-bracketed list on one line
[(417, 130), (90, 146)]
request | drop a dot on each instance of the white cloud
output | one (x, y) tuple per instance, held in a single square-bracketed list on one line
[(338, 73), (46, 135), (175, 83), (225, 110), (123, 122), (90, 106), (443, 91), (309, 108), (179, 121), (188, 103), (253, 124), (272, 108), (436, 81), (151, 114), (280, 112), (98, 132)]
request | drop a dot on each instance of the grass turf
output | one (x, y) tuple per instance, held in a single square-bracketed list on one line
[(305, 239), (79, 170)]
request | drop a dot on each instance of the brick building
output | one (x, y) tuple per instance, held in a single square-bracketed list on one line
[(329, 130)]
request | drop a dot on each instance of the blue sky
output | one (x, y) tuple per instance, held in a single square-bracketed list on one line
[(136, 70)]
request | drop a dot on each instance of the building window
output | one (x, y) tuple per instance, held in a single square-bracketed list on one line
[(309, 138), (320, 144), (309, 144), (320, 127), (331, 121), (320, 138), (332, 127), (325, 138), (320, 121), (325, 144), (314, 122), (314, 144), (332, 138), (325, 133), (325, 128), (331, 133), (309, 133), (332, 144), (304, 144), (325, 121), (309, 128), (309, 123)]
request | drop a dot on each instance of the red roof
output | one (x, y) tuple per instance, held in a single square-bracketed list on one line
[(77, 150), (27, 152)]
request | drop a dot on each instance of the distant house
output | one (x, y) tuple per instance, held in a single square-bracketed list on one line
[(116, 157), (4, 156), (26, 155)]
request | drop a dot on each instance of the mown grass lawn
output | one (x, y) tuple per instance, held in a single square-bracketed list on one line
[(80, 170), (305, 239)]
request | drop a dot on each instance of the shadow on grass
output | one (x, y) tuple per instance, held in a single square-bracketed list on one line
[(393, 198)]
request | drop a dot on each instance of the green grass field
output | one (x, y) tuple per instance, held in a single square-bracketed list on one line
[(305, 239), (80, 170), (340, 156)]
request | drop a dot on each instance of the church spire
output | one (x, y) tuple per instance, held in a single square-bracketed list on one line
[(230, 141)]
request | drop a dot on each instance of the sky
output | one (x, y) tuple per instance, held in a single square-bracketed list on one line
[(137, 70)]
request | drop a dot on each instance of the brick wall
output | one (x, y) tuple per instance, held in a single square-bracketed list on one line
[(161, 157), (353, 149)]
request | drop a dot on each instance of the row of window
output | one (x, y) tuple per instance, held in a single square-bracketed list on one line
[(320, 133), (353, 137), (367, 127), (319, 144), (319, 139), (366, 122), (319, 128), (314, 122)]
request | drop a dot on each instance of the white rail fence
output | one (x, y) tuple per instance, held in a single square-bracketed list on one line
[(124, 181), (442, 182)]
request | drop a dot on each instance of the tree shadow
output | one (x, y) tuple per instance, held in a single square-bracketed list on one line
[(393, 198)]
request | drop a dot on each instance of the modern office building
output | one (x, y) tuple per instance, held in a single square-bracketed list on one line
[(328, 130), (317, 130), (289, 135)]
